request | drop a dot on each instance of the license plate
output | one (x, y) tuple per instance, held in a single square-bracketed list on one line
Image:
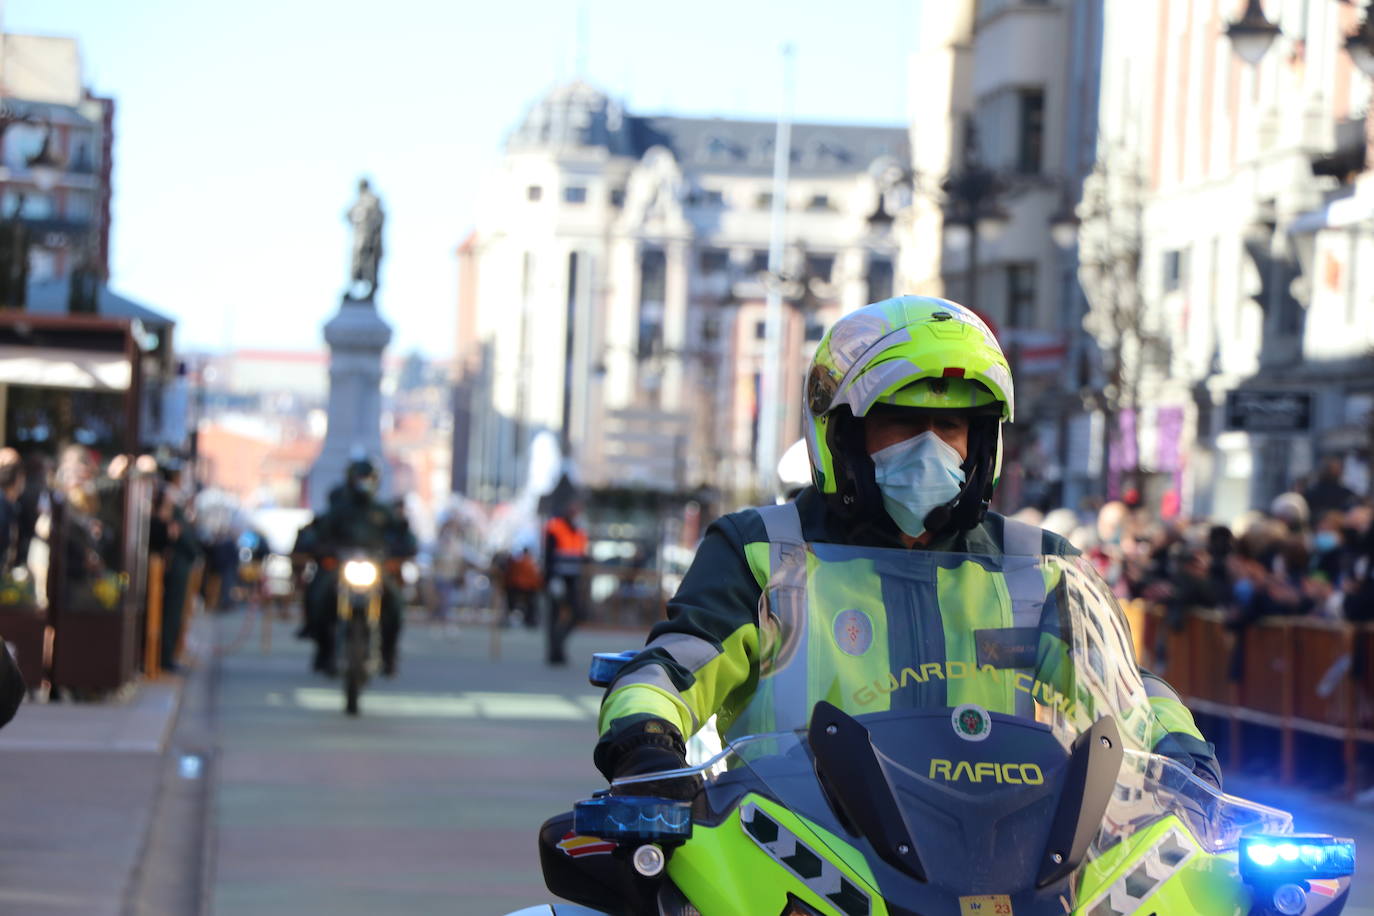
[(985, 905)]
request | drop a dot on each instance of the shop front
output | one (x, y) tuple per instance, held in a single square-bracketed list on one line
[(72, 591)]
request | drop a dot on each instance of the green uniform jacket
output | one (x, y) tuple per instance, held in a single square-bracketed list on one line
[(702, 645)]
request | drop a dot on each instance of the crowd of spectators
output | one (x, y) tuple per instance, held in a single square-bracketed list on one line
[(1310, 554)]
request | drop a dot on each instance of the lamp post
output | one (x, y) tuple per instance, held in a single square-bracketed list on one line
[(44, 170), (1252, 34), (971, 209)]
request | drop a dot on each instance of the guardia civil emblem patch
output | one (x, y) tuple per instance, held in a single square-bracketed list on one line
[(853, 632), (972, 723)]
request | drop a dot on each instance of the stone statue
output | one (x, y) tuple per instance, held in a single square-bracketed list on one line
[(366, 218)]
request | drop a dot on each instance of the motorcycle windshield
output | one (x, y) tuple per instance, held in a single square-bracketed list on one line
[(973, 678)]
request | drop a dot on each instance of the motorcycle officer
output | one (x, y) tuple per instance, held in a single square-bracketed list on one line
[(904, 405), (356, 519)]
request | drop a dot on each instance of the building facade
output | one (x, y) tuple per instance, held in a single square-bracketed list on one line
[(612, 292), (1255, 208), (1009, 89), (52, 118)]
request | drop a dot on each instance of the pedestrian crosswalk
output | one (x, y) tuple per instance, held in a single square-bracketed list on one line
[(468, 705)]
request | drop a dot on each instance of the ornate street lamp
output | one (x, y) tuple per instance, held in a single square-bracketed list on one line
[(44, 166), (1252, 34), (1064, 226), (971, 210)]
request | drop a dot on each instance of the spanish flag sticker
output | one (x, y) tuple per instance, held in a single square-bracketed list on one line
[(576, 845)]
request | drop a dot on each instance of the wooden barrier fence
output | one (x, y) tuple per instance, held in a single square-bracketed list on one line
[(1295, 675)]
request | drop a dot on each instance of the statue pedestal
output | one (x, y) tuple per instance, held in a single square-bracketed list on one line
[(356, 337)]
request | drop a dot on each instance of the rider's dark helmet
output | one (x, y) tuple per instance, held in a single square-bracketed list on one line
[(361, 474)]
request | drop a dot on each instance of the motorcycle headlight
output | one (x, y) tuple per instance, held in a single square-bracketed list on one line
[(1269, 859), (360, 573)]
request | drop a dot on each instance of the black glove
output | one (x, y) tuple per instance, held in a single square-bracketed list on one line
[(651, 746)]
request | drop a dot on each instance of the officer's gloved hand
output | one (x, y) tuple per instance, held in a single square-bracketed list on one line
[(652, 746)]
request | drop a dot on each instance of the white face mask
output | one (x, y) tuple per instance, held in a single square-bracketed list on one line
[(915, 476)]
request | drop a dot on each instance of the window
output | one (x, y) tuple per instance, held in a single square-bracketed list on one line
[(78, 206), (534, 192), (879, 279), (1020, 295), (720, 149), (1175, 269), (714, 261), (81, 158), (820, 266), (36, 205), (575, 194), (815, 329), (823, 154), (617, 197), (1030, 131), (819, 202), (653, 283), (712, 198), (759, 263), (760, 330), (764, 201)]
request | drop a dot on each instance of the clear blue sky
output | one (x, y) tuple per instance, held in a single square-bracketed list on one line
[(242, 128)]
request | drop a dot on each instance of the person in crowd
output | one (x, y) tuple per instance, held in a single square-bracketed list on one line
[(310, 580), (222, 562), (183, 550), (35, 520), (11, 488), (523, 584), (1328, 547), (905, 401), (1357, 583), (449, 568), (565, 559), (1328, 493)]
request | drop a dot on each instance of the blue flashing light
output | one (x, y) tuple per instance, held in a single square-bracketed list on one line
[(606, 665), (633, 818), (1270, 859)]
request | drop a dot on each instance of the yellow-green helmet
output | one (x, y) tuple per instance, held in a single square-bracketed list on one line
[(911, 351)]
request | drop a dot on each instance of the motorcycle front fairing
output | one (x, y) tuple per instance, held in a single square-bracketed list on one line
[(981, 737)]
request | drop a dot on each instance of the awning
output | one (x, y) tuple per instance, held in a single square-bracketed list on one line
[(51, 367), (1338, 214)]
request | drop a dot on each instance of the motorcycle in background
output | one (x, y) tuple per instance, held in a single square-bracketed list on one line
[(359, 625)]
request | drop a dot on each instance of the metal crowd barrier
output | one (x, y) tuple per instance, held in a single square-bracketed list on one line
[(1295, 675)]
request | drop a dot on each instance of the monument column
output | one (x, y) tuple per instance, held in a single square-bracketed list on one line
[(356, 336)]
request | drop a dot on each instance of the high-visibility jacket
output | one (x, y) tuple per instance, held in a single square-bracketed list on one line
[(712, 657), (567, 547)]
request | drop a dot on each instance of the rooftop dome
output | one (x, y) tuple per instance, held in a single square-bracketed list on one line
[(575, 114)]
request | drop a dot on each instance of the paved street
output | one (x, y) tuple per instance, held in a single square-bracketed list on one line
[(80, 784), (427, 803)]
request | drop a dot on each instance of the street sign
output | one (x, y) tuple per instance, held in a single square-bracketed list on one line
[(1269, 411)]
